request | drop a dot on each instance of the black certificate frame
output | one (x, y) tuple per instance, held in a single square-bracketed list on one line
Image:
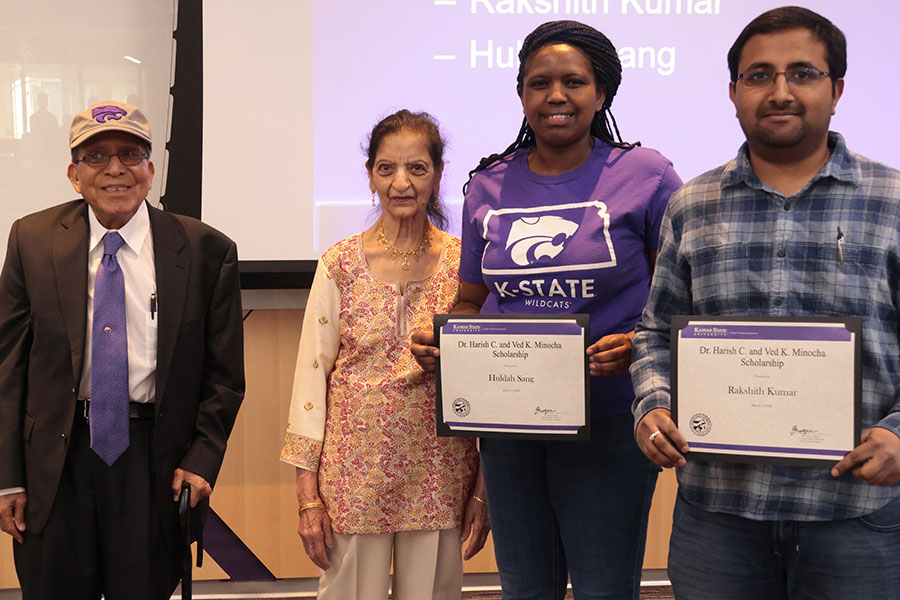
[(852, 324), (444, 430)]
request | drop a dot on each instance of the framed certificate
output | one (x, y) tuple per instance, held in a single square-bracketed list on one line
[(513, 376), (770, 390)]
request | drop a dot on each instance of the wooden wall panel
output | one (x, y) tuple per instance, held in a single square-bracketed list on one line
[(7, 568)]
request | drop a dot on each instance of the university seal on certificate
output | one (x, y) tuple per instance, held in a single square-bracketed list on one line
[(513, 376), (775, 390)]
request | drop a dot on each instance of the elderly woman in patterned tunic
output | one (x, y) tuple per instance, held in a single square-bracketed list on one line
[(373, 478)]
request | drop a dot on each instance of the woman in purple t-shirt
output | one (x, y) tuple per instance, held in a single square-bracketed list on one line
[(566, 220)]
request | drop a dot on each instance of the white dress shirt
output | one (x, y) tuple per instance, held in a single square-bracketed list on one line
[(135, 257)]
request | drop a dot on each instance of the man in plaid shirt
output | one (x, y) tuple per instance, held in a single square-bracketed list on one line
[(796, 225)]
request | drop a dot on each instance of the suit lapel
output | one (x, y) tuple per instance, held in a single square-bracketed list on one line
[(70, 255), (173, 264)]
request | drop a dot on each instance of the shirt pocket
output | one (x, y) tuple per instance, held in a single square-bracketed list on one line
[(152, 337), (855, 282), (719, 271)]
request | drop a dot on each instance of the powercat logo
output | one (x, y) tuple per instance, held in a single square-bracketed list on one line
[(107, 112), (534, 240)]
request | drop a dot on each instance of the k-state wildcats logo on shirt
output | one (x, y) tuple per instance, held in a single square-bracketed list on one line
[(547, 239)]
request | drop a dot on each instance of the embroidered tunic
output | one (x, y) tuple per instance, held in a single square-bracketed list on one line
[(363, 411)]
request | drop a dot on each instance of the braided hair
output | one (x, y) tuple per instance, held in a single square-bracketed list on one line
[(607, 73)]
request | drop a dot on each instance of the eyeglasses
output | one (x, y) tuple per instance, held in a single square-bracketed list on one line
[(128, 157), (762, 77)]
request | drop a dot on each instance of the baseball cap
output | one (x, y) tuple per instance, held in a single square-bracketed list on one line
[(108, 115)]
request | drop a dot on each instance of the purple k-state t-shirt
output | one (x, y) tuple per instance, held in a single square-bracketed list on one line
[(571, 243)]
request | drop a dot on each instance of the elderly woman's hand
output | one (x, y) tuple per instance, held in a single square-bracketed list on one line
[(315, 526), (611, 354), (315, 531), (475, 520), (424, 350)]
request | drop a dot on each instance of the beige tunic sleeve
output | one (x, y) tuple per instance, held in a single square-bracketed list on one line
[(320, 341)]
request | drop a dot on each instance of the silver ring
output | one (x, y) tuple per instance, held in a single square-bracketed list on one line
[(654, 434)]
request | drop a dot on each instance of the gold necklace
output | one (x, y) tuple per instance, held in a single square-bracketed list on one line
[(405, 254)]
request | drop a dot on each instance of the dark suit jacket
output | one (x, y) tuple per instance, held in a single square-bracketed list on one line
[(43, 312)]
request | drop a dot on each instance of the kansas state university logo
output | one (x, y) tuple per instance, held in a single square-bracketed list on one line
[(700, 424), (102, 114), (462, 407), (530, 239)]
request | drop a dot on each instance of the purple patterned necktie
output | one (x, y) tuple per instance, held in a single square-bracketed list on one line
[(109, 357)]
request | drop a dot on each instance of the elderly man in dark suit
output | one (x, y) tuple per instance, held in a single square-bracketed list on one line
[(121, 373)]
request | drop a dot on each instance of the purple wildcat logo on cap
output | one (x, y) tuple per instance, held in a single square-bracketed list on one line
[(102, 114), (108, 115)]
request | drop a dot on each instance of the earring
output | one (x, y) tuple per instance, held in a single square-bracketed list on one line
[(373, 199)]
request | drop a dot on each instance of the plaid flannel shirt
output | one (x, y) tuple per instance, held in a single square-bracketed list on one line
[(731, 245)]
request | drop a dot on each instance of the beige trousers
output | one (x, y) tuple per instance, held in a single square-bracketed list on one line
[(427, 565)]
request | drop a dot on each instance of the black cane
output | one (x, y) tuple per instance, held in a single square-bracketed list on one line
[(184, 514)]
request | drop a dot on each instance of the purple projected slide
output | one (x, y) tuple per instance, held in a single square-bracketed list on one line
[(457, 60)]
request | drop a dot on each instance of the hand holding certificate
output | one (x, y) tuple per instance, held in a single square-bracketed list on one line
[(502, 375)]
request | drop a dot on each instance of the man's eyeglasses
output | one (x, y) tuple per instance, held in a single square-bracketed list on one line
[(762, 77), (128, 157)]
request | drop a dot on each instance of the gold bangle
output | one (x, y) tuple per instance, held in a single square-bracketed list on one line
[(477, 499), (310, 505)]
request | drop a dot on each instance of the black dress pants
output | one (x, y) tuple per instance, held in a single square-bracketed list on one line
[(104, 534)]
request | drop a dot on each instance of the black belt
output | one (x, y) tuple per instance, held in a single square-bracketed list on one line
[(136, 410)]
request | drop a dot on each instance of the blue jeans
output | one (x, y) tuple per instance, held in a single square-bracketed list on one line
[(714, 556), (578, 509)]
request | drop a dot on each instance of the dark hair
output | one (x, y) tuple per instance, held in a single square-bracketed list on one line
[(607, 73), (77, 149), (419, 122), (794, 17)]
